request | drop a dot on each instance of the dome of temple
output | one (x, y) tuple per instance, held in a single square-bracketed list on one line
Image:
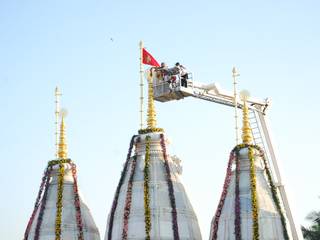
[(249, 206), (61, 195), (59, 211), (150, 201)]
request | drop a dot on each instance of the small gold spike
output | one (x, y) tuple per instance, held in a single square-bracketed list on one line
[(151, 121), (62, 153), (246, 129)]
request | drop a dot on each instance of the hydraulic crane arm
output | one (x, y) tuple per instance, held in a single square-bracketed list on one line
[(165, 91)]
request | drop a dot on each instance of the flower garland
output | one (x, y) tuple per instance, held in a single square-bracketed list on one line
[(77, 201), (237, 220), (127, 206), (254, 199), (59, 201), (274, 194), (215, 223), (147, 215), (175, 227), (37, 203), (59, 161), (43, 205), (115, 200), (150, 130)]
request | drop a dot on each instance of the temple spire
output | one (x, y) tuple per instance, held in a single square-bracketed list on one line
[(62, 152), (151, 116), (246, 129)]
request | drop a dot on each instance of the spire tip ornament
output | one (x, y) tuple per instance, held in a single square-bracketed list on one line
[(246, 129), (62, 152)]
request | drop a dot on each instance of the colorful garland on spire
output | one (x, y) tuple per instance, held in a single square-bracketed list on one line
[(127, 206), (237, 220), (43, 205), (215, 222), (77, 202), (254, 198), (116, 197), (175, 227), (59, 202), (37, 203), (274, 194), (147, 210)]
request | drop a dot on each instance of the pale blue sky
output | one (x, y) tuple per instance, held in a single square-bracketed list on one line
[(274, 44)]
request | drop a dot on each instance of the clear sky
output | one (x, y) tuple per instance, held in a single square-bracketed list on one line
[(274, 44)]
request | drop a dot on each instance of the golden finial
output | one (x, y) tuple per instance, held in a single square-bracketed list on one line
[(151, 120), (246, 129), (62, 153)]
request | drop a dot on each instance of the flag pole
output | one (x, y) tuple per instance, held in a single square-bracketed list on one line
[(57, 95), (235, 74), (141, 85)]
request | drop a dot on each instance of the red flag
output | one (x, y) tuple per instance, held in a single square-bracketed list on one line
[(148, 59)]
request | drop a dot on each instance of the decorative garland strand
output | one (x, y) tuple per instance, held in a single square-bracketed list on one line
[(37, 203), (147, 211), (59, 201), (215, 223), (127, 207), (274, 194), (175, 227), (77, 202), (237, 220), (43, 205), (115, 200), (254, 199)]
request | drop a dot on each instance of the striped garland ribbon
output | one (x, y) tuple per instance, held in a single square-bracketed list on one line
[(254, 198), (215, 223), (147, 211), (127, 207), (77, 202), (274, 194), (43, 205), (37, 203), (175, 227), (116, 197), (59, 202), (237, 220)]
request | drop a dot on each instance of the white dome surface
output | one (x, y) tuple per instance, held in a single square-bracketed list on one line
[(69, 228), (160, 204)]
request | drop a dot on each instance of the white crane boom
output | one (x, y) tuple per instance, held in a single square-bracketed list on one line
[(165, 91)]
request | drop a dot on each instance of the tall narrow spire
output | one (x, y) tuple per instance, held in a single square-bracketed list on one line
[(151, 120), (246, 129), (62, 152)]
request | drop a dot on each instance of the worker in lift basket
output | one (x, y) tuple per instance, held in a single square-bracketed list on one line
[(162, 72), (183, 74)]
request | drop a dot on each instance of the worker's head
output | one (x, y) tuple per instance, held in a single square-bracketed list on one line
[(163, 64), (177, 64)]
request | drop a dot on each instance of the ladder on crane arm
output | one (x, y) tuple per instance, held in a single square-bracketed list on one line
[(165, 91)]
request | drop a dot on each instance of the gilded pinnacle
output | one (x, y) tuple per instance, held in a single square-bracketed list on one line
[(246, 129), (151, 120), (62, 152)]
